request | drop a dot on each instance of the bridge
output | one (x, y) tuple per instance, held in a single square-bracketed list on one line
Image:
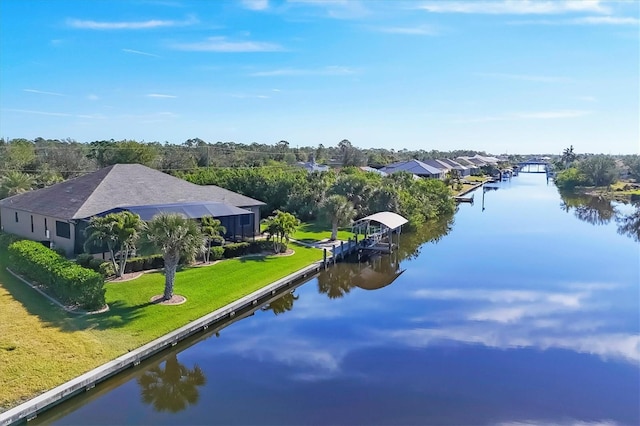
[(533, 165)]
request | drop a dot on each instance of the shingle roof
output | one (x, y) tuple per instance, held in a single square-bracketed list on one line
[(452, 164), (412, 166), (117, 186)]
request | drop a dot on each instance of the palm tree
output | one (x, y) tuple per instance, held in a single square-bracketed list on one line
[(568, 156), (339, 211), (174, 236), (173, 387), (211, 228), (13, 183), (119, 232), (282, 304), (279, 227)]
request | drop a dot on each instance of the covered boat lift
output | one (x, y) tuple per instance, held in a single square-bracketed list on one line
[(378, 230)]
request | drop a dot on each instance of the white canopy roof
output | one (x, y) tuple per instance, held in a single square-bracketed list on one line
[(388, 219)]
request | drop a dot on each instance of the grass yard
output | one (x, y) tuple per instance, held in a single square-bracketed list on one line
[(465, 188), (311, 232), (42, 346), (475, 178)]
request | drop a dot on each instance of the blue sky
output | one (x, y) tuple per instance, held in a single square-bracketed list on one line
[(512, 76)]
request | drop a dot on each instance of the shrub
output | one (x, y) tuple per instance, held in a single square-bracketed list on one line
[(217, 253), (144, 263), (95, 264), (6, 239), (236, 250), (66, 280), (84, 259), (106, 269)]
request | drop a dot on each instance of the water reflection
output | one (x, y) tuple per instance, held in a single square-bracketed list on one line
[(372, 272), (601, 211), (282, 304), (173, 387), (590, 209), (629, 224), (411, 243)]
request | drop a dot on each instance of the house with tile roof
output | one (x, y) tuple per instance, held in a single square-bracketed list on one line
[(57, 215)]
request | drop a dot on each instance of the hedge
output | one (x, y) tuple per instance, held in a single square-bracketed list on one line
[(67, 281)]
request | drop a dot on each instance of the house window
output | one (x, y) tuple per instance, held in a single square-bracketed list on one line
[(31, 223), (17, 217), (63, 229), (46, 228), (245, 220)]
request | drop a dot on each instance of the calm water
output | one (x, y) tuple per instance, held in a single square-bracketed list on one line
[(524, 313)]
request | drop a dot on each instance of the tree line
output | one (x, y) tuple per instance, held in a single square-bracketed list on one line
[(593, 170), (27, 164), (309, 195)]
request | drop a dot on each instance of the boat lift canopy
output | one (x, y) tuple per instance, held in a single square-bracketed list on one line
[(390, 220)]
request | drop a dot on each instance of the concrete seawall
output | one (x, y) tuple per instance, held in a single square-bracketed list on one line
[(87, 381)]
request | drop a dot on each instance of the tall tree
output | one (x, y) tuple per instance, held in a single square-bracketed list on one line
[(568, 156), (174, 236), (14, 182), (339, 211), (119, 232), (211, 229), (600, 169)]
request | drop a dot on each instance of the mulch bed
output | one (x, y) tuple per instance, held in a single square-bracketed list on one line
[(176, 299)]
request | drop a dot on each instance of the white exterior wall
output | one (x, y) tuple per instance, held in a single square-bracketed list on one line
[(22, 228)]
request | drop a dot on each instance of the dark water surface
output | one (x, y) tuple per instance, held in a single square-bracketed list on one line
[(524, 313)]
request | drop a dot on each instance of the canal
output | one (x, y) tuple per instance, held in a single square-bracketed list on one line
[(522, 309)]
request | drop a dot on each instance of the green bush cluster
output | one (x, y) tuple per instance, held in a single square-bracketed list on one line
[(144, 263), (67, 281), (6, 239), (103, 267), (244, 248)]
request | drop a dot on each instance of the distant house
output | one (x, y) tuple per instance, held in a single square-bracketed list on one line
[(454, 165), (416, 167), (311, 166), (445, 168), (372, 170), (472, 166), (58, 215)]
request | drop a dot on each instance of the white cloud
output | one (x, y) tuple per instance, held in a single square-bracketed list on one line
[(526, 77), (255, 4), (420, 30), (535, 115), (159, 95), (92, 97), (42, 92), (338, 9), (606, 20), (330, 70), (547, 115), (515, 7), (139, 52), (127, 25), (585, 20), (222, 44), (27, 111)]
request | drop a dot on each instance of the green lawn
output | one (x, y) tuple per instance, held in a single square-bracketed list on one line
[(41, 346), (311, 232)]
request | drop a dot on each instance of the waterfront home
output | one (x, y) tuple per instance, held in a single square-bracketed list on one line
[(454, 165), (416, 167), (473, 167), (58, 215)]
